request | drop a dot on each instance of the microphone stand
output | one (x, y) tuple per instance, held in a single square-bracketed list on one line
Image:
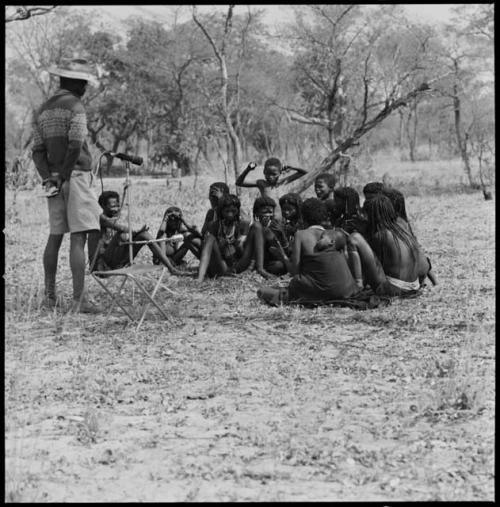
[(128, 186)]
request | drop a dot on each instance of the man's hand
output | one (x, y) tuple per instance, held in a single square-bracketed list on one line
[(251, 166), (55, 179)]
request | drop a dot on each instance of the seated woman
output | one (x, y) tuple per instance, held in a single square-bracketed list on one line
[(194, 240), (173, 225), (291, 211), (424, 263), (265, 237), (346, 213), (389, 260), (319, 268), (224, 241)]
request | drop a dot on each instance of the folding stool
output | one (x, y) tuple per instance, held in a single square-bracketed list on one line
[(133, 272)]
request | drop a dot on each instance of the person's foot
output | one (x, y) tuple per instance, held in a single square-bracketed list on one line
[(271, 295), (432, 277), (265, 274), (83, 306), (50, 302)]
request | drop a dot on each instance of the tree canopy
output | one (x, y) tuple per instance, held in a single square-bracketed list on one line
[(222, 87)]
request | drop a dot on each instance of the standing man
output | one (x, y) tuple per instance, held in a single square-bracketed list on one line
[(63, 160)]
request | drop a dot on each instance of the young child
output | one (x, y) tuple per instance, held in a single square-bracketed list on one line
[(268, 187), (173, 225), (324, 185), (291, 210), (114, 255), (224, 241), (266, 235)]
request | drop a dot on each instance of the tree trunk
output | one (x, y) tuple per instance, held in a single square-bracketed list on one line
[(235, 142), (401, 130), (411, 129), (484, 187), (228, 159), (461, 138), (414, 131), (331, 142)]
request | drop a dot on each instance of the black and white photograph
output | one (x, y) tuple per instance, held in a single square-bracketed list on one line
[(249, 253)]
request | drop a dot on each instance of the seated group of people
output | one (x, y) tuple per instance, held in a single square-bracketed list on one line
[(331, 246)]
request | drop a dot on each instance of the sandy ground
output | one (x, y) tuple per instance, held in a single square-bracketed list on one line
[(238, 401)]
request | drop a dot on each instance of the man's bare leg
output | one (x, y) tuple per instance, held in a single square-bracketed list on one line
[(77, 264), (50, 258), (93, 243)]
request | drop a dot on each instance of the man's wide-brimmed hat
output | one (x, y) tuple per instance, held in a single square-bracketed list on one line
[(77, 68)]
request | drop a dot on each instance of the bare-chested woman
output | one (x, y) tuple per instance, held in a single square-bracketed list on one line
[(424, 263), (389, 260)]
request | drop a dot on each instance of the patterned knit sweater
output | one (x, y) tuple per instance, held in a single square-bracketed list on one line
[(59, 136)]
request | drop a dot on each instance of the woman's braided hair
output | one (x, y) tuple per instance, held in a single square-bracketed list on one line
[(382, 216), (398, 201), (350, 197)]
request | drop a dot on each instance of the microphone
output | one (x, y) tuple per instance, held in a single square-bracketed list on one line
[(133, 159)]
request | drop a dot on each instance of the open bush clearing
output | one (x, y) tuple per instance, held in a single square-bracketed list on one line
[(240, 401)]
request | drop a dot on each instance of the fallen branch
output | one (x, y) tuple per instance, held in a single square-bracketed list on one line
[(328, 162)]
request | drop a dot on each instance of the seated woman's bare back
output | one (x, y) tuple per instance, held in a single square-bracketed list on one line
[(398, 260)]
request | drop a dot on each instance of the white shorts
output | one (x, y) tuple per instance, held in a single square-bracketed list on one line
[(75, 208)]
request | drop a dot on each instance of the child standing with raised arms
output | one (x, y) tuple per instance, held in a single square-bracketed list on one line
[(268, 187)]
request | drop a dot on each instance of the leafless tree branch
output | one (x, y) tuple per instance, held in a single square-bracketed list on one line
[(23, 12), (350, 141)]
